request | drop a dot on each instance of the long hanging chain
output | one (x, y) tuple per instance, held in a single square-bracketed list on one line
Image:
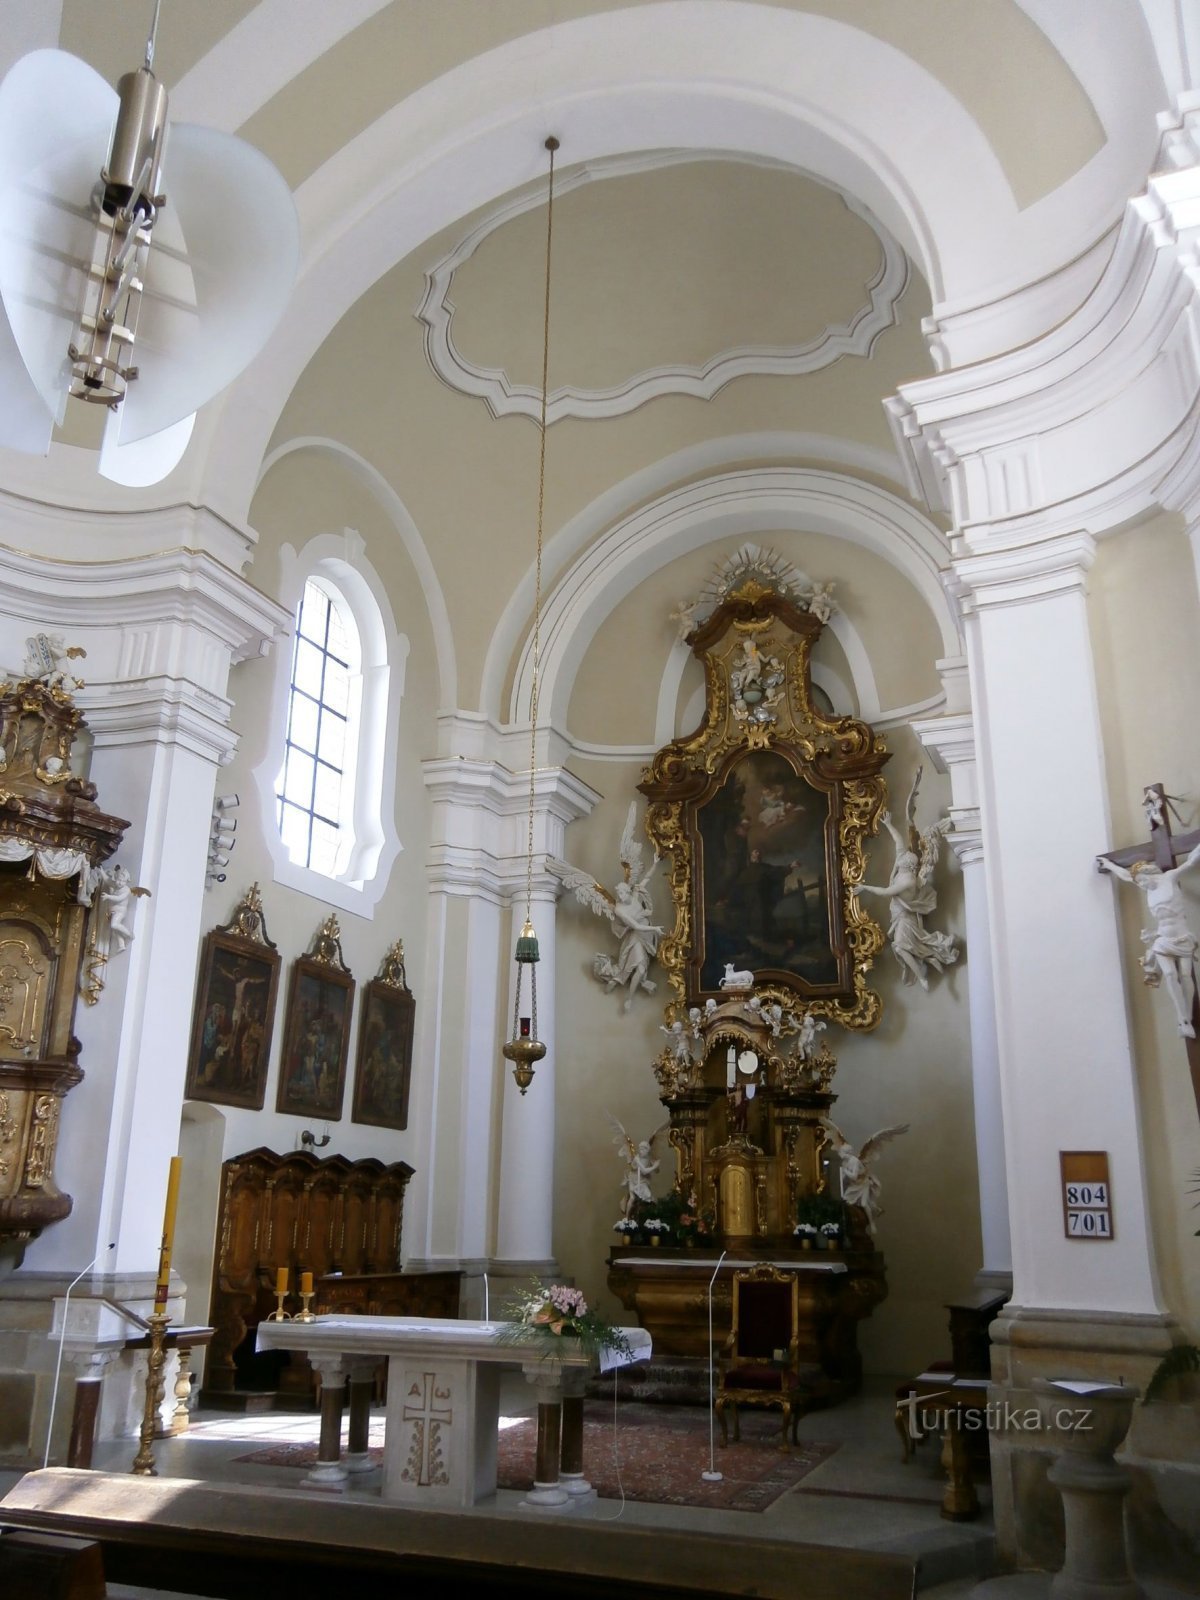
[(552, 146)]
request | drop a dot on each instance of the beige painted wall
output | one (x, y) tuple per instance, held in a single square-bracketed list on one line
[(1144, 619), (302, 497), (469, 480)]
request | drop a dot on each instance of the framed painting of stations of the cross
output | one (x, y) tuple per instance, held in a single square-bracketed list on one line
[(762, 813)]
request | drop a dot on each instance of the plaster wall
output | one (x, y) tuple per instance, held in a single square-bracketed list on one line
[(470, 480), (301, 498)]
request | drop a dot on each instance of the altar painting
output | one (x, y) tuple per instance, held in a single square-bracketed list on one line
[(762, 874)]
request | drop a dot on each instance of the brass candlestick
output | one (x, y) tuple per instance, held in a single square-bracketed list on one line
[(279, 1314), (304, 1314), (143, 1462)]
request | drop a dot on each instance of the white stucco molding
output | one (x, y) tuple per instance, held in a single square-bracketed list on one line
[(756, 500), (54, 530), (949, 742), (761, 81), (504, 397), (1023, 574), (478, 842), (401, 519), (160, 633), (1090, 426)]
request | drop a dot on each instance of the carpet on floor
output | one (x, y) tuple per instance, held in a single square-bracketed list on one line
[(655, 1454)]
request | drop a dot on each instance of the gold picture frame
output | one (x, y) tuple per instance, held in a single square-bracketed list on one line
[(763, 813)]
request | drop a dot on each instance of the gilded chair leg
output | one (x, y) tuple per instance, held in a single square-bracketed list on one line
[(787, 1417), (721, 1421), (906, 1438)]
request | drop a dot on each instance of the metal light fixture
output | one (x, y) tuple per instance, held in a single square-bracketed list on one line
[(524, 1047), (95, 263)]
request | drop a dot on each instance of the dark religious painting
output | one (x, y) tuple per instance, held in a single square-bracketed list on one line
[(231, 1030), (762, 871), (312, 1073), (385, 1041)]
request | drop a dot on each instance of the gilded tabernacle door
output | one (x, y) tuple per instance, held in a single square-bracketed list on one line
[(763, 812)]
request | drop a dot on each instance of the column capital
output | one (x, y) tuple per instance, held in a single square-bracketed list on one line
[(1022, 574)]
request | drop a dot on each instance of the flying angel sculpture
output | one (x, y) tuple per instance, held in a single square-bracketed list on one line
[(628, 908), (639, 1163), (860, 1186), (912, 897)]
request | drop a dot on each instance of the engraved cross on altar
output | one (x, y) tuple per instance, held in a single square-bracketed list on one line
[(425, 1465), (1170, 853)]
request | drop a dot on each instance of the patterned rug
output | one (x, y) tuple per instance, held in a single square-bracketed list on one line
[(657, 1454)]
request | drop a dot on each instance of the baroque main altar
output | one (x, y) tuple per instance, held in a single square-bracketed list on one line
[(762, 814)]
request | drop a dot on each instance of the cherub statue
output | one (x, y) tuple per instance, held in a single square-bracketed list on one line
[(860, 1186), (912, 896), (639, 1165), (820, 601), (1171, 945), (116, 892), (684, 615), (806, 1044), (628, 908), (679, 1041)]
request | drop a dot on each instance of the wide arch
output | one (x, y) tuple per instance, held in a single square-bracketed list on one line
[(745, 502), (410, 537), (804, 89)]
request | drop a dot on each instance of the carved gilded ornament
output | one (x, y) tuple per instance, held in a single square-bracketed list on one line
[(832, 764)]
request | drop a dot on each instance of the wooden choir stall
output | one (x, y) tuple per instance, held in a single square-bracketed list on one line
[(340, 1220)]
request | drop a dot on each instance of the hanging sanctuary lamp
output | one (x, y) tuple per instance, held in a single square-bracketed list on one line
[(524, 1047)]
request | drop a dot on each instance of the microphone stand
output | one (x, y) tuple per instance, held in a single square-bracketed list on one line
[(62, 1339), (712, 1475)]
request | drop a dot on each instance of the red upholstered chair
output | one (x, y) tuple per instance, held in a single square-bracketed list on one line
[(760, 1365)]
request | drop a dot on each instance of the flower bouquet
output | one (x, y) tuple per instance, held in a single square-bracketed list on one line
[(542, 1316), (627, 1228)]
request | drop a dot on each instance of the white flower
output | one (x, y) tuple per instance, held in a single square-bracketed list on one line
[(654, 1226)]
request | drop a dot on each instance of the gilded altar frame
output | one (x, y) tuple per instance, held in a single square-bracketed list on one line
[(764, 747)]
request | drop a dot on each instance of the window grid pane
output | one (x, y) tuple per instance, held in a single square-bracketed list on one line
[(309, 790)]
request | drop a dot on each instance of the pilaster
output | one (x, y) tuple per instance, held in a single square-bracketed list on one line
[(491, 1163), (1066, 1072), (950, 742), (161, 630)]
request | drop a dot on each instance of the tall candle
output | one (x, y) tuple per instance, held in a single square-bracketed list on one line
[(281, 1281), (168, 1236), (306, 1283)]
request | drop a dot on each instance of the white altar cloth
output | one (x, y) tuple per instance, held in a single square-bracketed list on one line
[(443, 1402)]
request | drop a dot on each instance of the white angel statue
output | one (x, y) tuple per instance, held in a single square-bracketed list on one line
[(912, 896), (639, 1163), (628, 908), (860, 1186)]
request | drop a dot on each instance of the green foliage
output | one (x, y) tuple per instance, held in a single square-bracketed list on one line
[(547, 1316), (682, 1219), (818, 1209), (1182, 1359)]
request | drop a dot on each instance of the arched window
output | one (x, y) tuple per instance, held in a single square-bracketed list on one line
[(327, 779), (315, 789)]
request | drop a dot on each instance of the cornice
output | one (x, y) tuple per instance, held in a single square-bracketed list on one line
[(53, 532), (1022, 574), (161, 711), (503, 397), (1094, 422), (164, 590)]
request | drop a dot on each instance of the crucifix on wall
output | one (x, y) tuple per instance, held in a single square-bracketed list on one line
[(1170, 954)]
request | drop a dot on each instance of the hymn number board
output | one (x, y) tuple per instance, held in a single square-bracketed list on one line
[(1087, 1197)]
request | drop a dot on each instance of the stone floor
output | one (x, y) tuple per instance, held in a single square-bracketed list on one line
[(864, 1496)]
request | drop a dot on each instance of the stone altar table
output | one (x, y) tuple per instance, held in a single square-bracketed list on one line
[(443, 1404)]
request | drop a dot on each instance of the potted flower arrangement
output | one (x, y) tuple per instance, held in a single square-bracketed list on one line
[(674, 1219), (820, 1221), (627, 1229), (542, 1315)]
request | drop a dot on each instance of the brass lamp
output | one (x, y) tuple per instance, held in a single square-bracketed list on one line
[(524, 1047)]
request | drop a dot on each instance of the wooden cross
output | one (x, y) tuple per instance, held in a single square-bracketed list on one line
[(1165, 849)]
